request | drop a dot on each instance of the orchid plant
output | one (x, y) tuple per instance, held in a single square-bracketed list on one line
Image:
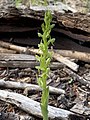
[(44, 60)]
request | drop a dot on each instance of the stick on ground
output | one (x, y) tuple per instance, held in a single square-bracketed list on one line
[(31, 87)]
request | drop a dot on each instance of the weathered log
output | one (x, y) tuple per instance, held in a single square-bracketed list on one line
[(32, 107), (28, 87), (56, 56), (26, 64), (23, 61), (23, 19), (78, 20)]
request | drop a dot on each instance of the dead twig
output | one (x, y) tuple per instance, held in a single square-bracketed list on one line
[(28, 87)]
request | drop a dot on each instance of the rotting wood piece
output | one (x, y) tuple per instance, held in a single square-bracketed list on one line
[(32, 107), (76, 24), (56, 56), (78, 20)]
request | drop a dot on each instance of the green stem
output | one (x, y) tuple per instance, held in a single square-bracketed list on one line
[(44, 60)]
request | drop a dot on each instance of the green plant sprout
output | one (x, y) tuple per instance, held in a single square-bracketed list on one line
[(44, 60)]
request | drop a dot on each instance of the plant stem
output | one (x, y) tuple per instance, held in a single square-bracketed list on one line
[(44, 60)]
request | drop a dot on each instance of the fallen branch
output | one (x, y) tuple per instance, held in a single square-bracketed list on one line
[(65, 61), (32, 107), (28, 87), (56, 56), (83, 56), (77, 77)]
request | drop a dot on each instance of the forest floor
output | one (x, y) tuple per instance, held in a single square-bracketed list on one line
[(72, 91)]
